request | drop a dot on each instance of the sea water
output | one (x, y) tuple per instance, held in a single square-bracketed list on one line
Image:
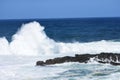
[(23, 42)]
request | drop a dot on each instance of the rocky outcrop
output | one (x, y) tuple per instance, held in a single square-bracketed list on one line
[(111, 58)]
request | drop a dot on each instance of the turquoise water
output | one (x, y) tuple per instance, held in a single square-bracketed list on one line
[(24, 69)]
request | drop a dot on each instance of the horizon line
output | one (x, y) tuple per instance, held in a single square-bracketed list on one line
[(56, 18)]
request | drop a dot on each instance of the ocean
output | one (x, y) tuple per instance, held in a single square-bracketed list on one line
[(25, 41)]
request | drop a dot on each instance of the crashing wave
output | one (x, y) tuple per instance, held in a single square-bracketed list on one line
[(31, 40)]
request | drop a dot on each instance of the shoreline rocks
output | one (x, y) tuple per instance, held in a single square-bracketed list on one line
[(111, 58)]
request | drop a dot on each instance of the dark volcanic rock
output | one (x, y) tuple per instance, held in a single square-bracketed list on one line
[(108, 56), (84, 58), (111, 58), (114, 63), (40, 63), (60, 60)]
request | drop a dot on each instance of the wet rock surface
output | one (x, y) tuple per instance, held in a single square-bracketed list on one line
[(111, 58)]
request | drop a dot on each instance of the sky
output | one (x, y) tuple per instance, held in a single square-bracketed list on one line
[(28, 9)]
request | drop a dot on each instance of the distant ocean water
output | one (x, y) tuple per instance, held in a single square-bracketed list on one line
[(69, 30), (23, 42)]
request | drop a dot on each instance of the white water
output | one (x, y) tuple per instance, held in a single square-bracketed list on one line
[(31, 40), (30, 43)]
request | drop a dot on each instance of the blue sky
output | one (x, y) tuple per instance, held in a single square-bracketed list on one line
[(22, 9)]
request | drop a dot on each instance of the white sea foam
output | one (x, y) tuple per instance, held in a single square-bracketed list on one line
[(32, 40)]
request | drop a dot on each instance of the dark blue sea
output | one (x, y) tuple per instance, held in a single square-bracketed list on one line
[(25, 41), (69, 30)]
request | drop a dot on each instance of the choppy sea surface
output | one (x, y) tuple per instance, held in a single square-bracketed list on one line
[(23, 42)]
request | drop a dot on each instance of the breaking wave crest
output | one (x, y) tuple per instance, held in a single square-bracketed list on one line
[(31, 40)]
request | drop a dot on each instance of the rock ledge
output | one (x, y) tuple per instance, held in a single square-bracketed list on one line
[(111, 58)]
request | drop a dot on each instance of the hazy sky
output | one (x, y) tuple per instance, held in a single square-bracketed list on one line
[(22, 9)]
